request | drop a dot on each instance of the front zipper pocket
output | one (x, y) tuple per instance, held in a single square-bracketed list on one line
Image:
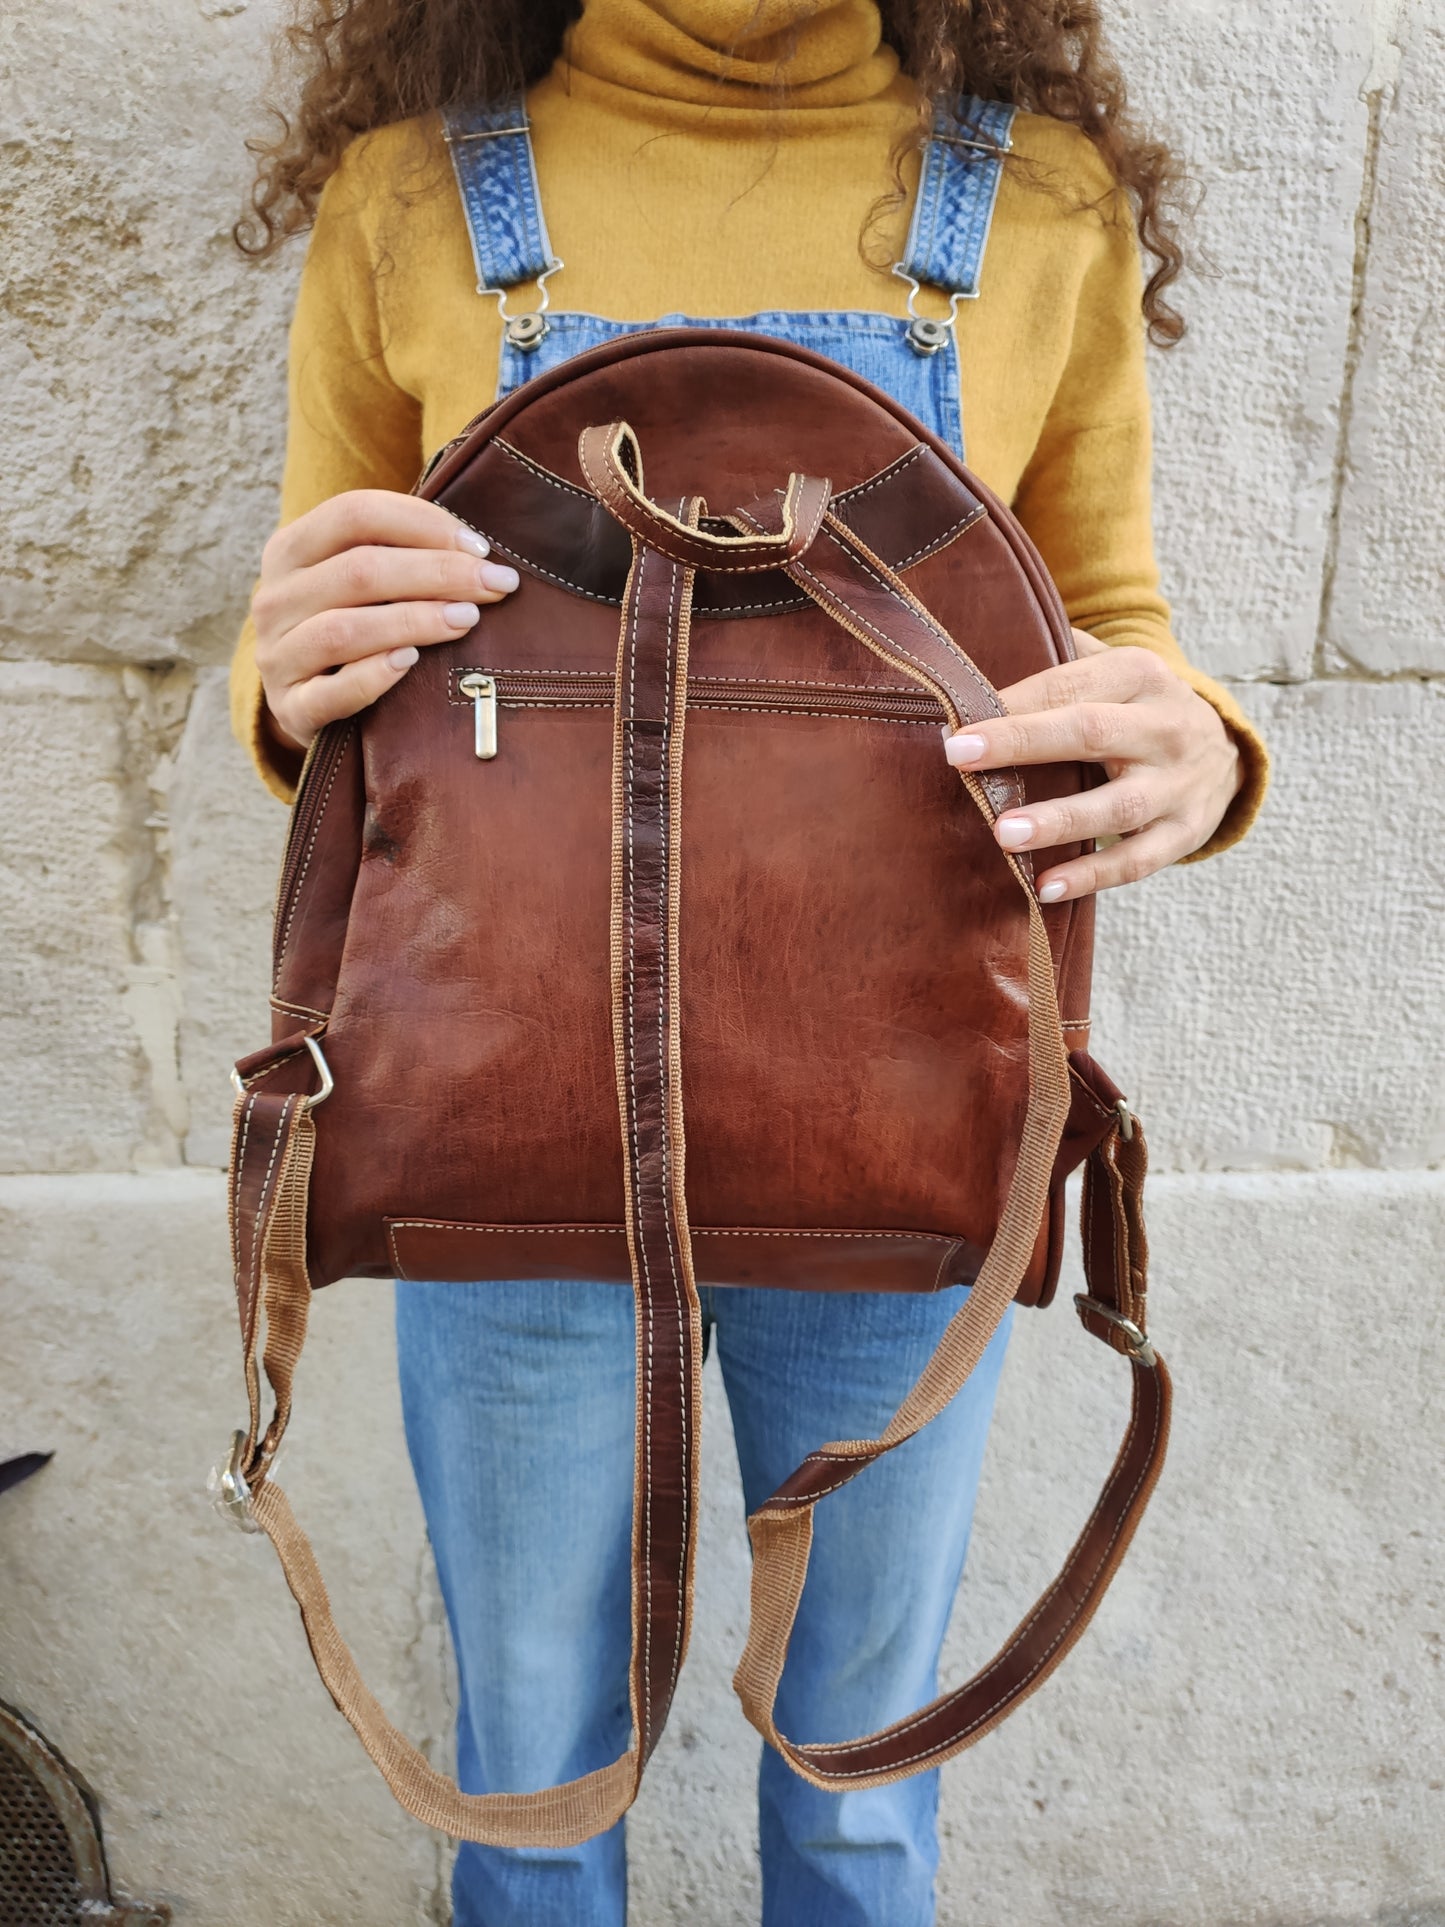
[(488, 691)]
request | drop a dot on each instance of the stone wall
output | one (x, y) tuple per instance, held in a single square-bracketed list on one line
[(1252, 1733)]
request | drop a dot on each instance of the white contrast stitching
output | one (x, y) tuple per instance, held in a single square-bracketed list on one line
[(310, 847)]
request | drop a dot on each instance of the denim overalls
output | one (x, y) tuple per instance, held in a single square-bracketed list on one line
[(913, 359), (519, 1398)]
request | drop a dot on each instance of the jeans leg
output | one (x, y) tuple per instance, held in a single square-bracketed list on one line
[(518, 1400), (802, 1368)]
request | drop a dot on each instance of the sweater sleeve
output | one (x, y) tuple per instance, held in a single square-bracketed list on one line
[(350, 424), (1085, 498)]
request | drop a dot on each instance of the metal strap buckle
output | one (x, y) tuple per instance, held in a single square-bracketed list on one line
[(323, 1069), (1140, 1348), (230, 1494)]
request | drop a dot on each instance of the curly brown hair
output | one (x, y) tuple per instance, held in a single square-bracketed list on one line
[(360, 64)]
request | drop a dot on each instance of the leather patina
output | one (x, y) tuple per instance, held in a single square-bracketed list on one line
[(675, 989)]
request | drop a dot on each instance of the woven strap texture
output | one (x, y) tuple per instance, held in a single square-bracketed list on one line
[(271, 1163)]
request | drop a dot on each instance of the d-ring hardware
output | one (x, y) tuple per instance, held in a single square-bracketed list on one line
[(1126, 1120), (1140, 1348), (230, 1494), (328, 1082)]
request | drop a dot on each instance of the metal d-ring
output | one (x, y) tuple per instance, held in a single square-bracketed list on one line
[(230, 1493), (924, 335), (323, 1069), (1140, 1347)]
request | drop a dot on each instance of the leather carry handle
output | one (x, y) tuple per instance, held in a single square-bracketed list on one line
[(271, 1167), (611, 462)]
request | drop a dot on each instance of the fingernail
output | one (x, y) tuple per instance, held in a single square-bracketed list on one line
[(473, 543), (461, 615), (1015, 831), (496, 575), (402, 658), (1051, 892), (963, 750)]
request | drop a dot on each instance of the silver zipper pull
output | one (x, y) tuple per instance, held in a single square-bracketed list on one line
[(483, 692)]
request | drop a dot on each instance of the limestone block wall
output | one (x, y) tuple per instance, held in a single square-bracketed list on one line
[(1251, 1736)]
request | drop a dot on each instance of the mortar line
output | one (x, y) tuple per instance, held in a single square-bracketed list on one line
[(1354, 349)]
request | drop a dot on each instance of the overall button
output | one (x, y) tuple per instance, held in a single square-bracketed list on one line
[(924, 337), (529, 331)]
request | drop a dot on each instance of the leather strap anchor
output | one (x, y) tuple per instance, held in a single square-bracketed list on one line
[(611, 461)]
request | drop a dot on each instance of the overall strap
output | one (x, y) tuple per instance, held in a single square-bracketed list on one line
[(962, 167), (491, 150)]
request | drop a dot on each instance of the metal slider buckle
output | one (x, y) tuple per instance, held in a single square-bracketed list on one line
[(485, 134), (230, 1494), (1140, 1348), (994, 149), (328, 1082)]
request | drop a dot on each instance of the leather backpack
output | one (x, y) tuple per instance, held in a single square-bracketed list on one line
[(645, 934)]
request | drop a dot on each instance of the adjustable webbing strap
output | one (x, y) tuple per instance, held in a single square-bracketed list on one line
[(271, 1166), (491, 150), (957, 190)]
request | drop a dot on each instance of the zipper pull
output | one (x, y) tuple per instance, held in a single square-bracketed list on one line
[(483, 692)]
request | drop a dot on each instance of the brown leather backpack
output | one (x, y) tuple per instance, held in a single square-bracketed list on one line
[(645, 934)]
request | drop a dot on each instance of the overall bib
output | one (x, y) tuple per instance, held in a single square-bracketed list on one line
[(519, 1399)]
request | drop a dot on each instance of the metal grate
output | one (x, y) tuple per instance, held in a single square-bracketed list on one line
[(52, 1863), (39, 1884)]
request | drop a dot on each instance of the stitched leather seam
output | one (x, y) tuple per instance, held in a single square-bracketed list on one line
[(274, 1065), (895, 467), (619, 1230), (935, 629), (636, 523), (761, 682), (1013, 1693), (641, 1234), (236, 1255), (942, 541), (664, 815), (945, 1259), (297, 1010), (306, 862), (255, 1264), (542, 474), (756, 709)]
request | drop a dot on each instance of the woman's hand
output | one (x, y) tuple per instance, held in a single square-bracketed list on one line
[(1173, 767), (351, 591)]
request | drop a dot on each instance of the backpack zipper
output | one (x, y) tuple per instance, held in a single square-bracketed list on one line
[(491, 691)]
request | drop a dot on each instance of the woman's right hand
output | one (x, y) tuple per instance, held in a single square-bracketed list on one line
[(351, 591)]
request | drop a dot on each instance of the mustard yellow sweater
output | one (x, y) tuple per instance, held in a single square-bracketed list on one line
[(677, 177)]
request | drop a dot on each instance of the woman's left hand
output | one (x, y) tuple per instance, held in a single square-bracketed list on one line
[(1173, 767)]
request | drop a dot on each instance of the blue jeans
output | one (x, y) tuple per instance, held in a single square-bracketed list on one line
[(519, 1413)]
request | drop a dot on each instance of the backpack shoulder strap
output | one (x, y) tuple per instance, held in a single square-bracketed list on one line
[(491, 150), (962, 167)]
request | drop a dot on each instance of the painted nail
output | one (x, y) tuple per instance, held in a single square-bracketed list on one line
[(473, 543), (1051, 892), (402, 658), (497, 576), (461, 615), (1015, 831), (961, 751)]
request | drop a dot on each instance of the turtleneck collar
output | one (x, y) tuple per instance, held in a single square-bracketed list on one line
[(736, 53)]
